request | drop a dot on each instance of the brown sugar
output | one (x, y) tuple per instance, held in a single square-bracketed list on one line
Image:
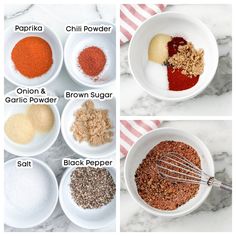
[(92, 125), (189, 60)]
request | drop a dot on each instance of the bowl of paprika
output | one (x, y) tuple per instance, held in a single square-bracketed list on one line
[(32, 58), (90, 56), (156, 54)]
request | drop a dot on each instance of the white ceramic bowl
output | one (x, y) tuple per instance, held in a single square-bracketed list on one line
[(11, 38), (17, 216), (76, 42), (174, 24), (84, 149), (85, 218), (41, 141), (139, 151)]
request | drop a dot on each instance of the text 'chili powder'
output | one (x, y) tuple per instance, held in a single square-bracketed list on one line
[(32, 56), (177, 80), (92, 61)]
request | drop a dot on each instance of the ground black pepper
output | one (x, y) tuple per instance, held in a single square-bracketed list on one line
[(92, 187)]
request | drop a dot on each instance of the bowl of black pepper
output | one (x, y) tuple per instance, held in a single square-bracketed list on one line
[(158, 195), (87, 196)]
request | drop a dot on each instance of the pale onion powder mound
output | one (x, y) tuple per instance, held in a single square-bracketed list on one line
[(92, 125), (19, 129)]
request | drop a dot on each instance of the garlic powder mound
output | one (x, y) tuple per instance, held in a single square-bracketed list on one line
[(41, 116), (158, 50), (19, 129)]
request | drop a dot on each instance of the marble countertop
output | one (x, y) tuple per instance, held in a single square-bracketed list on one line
[(215, 100), (56, 16), (215, 214)]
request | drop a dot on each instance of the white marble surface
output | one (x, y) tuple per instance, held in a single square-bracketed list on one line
[(215, 214), (215, 100), (56, 16)]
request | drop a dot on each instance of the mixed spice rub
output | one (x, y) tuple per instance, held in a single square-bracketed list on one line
[(160, 192)]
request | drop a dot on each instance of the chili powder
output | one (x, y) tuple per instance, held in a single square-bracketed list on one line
[(92, 61), (174, 44), (32, 56)]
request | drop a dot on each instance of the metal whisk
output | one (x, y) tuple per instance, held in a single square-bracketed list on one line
[(177, 168)]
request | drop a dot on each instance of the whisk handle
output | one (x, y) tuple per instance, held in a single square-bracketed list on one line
[(219, 184), (226, 187)]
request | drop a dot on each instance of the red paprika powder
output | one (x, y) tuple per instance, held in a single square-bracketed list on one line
[(177, 80), (32, 56), (92, 61)]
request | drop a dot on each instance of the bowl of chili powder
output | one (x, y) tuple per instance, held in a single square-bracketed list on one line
[(32, 59), (90, 58), (179, 26)]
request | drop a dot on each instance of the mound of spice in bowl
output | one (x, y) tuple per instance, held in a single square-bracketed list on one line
[(182, 62), (92, 61), (21, 128), (160, 192), (92, 125), (32, 57), (92, 187)]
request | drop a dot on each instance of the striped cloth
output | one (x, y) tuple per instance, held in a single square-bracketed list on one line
[(132, 16), (132, 130)]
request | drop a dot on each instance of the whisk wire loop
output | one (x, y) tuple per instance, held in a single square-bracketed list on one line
[(177, 168)]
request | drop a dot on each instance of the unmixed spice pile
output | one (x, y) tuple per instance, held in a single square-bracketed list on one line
[(32, 57), (178, 63), (92, 187), (92, 61), (92, 125), (21, 128)]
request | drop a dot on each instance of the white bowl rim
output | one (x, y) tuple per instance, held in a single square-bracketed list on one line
[(82, 154), (158, 212), (66, 172), (51, 173), (78, 81), (50, 144), (164, 98), (58, 70)]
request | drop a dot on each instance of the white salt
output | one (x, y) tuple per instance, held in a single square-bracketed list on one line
[(157, 75), (26, 189)]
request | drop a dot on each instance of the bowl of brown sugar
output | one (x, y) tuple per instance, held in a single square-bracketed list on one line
[(88, 127), (156, 194)]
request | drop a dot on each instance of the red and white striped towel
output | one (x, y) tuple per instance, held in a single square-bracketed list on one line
[(133, 15), (132, 130)]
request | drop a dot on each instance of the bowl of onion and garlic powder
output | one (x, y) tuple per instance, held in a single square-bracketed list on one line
[(86, 198), (31, 193), (30, 129)]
